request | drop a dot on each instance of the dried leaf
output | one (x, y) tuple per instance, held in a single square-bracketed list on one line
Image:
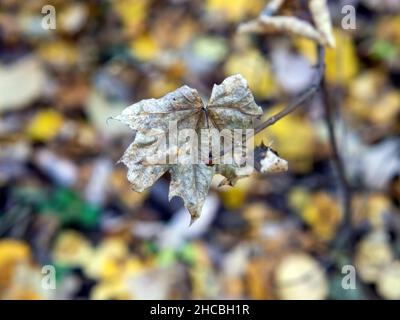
[(320, 13), (291, 25), (321, 32), (389, 281), (373, 254), (231, 106), (300, 276), (191, 183), (322, 213), (267, 160)]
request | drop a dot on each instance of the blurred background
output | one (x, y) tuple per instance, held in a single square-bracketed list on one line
[(65, 203)]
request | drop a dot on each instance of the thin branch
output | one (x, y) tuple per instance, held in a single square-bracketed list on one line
[(301, 98), (344, 232)]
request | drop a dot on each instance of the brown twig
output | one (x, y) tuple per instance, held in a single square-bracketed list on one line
[(344, 232)]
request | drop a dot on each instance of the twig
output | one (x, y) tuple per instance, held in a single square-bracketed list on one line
[(272, 7), (344, 232), (301, 98), (343, 237)]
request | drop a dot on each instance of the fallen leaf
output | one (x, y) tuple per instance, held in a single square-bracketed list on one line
[(389, 282), (45, 125), (21, 83), (373, 254), (322, 213), (300, 276)]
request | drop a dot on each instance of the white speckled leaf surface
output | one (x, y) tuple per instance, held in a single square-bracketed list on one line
[(231, 106)]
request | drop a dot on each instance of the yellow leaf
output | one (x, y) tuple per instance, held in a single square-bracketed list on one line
[(323, 214), (72, 249), (145, 48), (234, 197), (59, 53), (388, 29), (386, 109), (373, 254), (12, 254), (13, 251), (372, 208), (252, 66), (108, 259), (341, 62), (234, 10), (132, 12), (298, 198), (115, 289), (299, 276), (45, 125), (370, 101), (161, 85)]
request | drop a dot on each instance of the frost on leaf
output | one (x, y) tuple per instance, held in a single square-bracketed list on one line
[(140, 174), (231, 106)]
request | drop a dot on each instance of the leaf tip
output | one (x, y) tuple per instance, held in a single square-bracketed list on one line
[(193, 218)]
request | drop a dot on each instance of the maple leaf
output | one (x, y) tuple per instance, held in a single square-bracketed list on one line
[(321, 32), (231, 106)]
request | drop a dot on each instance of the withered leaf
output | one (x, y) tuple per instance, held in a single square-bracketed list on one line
[(182, 105), (231, 106), (268, 160), (140, 174), (322, 19), (191, 183), (321, 32), (291, 25)]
